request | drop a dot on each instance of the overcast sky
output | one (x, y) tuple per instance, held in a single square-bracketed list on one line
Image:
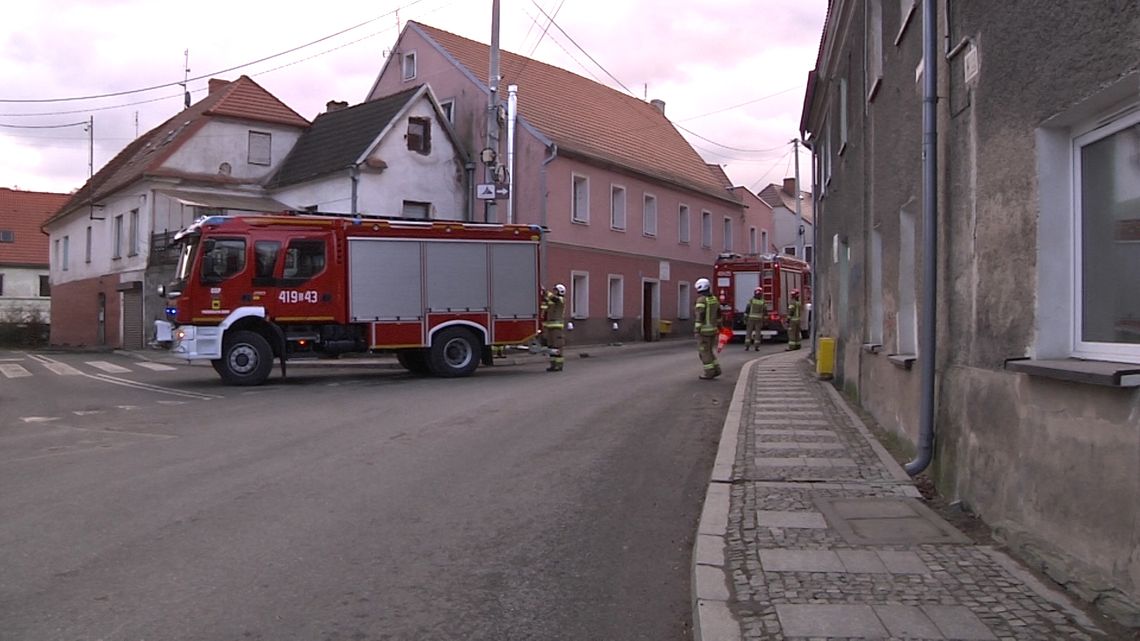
[(731, 72)]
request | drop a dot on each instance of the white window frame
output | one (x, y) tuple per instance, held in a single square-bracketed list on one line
[(873, 59), (405, 59), (684, 224), (684, 300), (789, 250), (448, 109), (726, 232), (706, 229), (87, 246), (615, 302), (66, 252), (752, 240), (764, 241), (842, 116), (133, 233), (583, 217), (906, 10), (1083, 136), (117, 237), (649, 215), (579, 295), (615, 223)]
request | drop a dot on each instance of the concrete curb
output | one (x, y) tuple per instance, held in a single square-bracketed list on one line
[(712, 618)]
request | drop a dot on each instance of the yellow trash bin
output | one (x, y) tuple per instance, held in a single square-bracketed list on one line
[(825, 357), (665, 326)]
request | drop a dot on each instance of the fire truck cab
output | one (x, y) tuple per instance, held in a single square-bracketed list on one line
[(252, 289), (738, 276)]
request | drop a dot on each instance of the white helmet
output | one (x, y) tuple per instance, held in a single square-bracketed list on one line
[(703, 285), (561, 289)]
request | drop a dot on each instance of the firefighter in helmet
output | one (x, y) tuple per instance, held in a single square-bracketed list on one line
[(554, 325), (794, 319), (705, 327), (753, 318)]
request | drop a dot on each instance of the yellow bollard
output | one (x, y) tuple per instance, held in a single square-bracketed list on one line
[(825, 357)]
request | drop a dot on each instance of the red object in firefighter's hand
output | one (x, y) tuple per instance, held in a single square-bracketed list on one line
[(722, 338)]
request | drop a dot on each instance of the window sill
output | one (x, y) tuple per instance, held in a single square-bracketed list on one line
[(579, 222), (872, 348), (903, 361), (1075, 370)]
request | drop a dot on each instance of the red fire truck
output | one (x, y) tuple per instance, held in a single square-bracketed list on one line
[(255, 288), (737, 277)]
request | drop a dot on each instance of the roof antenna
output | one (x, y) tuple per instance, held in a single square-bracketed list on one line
[(186, 77)]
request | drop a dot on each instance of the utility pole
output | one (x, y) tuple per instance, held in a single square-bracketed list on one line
[(799, 207), (91, 147), (491, 163), (185, 77)]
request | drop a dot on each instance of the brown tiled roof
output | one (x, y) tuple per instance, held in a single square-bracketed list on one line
[(22, 213), (775, 196), (718, 171), (585, 117), (243, 98)]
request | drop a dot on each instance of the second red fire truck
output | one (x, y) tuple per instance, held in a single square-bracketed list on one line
[(251, 290), (738, 276)]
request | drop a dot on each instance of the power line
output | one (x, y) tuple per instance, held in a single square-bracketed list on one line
[(749, 102), (753, 151), (208, 75), (563, 32), (769, 170), (70, 124)]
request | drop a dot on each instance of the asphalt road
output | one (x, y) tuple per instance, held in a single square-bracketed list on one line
[(354, 502)]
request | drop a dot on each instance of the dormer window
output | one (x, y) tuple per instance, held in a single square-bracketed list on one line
[(409, 65), (419, 135)]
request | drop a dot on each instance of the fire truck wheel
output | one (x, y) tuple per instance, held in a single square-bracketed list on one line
[(246, 359), (454, 352), (415, 361)]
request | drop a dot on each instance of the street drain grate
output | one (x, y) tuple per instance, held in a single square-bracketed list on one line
[(885, 521)]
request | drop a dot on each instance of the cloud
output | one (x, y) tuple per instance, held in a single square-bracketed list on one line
[(698, 57)]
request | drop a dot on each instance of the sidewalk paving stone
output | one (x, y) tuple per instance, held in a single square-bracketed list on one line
[(825, 536)]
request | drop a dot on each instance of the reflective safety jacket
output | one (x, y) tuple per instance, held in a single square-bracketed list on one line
[(793, 310), (708, 315), (755, 309), (553, 311)]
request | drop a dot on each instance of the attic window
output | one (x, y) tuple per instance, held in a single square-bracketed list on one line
[(7, 236), (409, 65), (260, 146), (419, 135)]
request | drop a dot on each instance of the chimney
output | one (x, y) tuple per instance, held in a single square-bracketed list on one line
[(335, 105), (658, 104), (216, 84), (790, 186)]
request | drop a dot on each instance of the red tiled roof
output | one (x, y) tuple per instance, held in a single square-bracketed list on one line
[(22, 213), (588, 118), (243, 98)]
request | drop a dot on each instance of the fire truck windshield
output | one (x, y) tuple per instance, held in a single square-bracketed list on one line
[(186, 256)]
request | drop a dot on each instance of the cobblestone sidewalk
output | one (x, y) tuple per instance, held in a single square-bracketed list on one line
[(812, 531)]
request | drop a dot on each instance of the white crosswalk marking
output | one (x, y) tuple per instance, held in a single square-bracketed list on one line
[(39, 419), (11, 370), (110, 368), (63, 369), (172, 402), (157, 367), (86, 412)]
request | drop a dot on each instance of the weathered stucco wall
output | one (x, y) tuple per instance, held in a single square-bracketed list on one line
[(1054, 466)]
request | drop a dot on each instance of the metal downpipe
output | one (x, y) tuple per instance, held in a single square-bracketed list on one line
[(928, 334), (552, 150)]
